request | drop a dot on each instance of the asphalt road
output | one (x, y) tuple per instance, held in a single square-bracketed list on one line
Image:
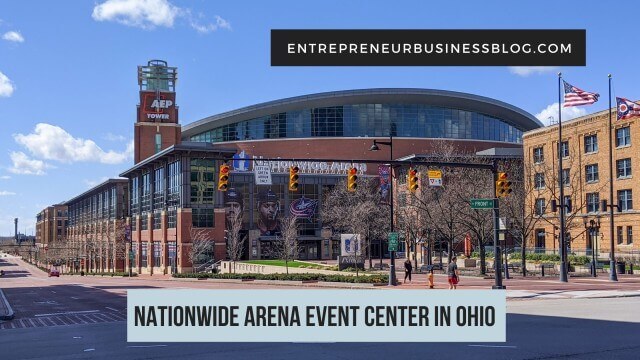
[(529, 337), (73, 317)]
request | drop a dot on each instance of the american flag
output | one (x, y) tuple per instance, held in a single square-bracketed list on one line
[(627, 108), (574, 96)]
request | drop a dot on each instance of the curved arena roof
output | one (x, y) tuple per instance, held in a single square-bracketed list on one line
[(450, 99)]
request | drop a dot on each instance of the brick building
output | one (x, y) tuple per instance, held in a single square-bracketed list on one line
[(96, 233), (51, 224), (585, 152)]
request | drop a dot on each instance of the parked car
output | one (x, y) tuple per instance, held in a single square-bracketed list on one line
[(54, 272)]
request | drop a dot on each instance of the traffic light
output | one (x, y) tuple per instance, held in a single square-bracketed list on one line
[(293, 178), (503, 185), (352, 179), (412, 182), (223, 177)]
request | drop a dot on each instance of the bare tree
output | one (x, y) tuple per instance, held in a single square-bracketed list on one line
[(287, 244), (235, 241), (201, 244), (358, 212)]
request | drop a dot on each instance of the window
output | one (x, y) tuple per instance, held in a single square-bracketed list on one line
[(539, 180), (540, 207), (172, 218), (593, 200), (629, 235), (565, 177), (624, 168), (202, 181), (625, 200), (158, 143), (134, 250), (157, 220), (538, 155), (143, 254), (590, 144), (567, 202), (623, 136), (619, 233), (144, 221), (156, 253), (592, 173), (202, 218), (540, 240), (564, 149)]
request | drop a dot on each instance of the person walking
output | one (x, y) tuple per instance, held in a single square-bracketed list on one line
[(407, 270), (452, 273)]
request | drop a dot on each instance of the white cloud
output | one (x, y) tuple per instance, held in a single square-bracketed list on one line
[(13, 36), (113, 137), (23, 165), (528, 70), (550, 113), (207, 28), (92, 183), (5, 177), (51, 142), (6, 193), (146, 14), (6, 86)]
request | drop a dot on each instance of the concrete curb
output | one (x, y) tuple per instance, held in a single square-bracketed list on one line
[(9, 311)]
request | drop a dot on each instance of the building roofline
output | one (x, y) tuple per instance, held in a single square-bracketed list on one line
[(93, 189), (445, 98), (185, 146), (572, 122)]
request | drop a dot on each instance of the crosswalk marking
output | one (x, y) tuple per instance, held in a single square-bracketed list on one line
[(62, 319)]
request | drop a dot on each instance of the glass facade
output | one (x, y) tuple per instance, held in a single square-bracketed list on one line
[(369, 120)]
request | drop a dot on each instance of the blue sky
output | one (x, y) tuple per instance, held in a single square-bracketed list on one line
[(68, 87)]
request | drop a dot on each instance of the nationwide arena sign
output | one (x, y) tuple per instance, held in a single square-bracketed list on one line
[(242, 162)]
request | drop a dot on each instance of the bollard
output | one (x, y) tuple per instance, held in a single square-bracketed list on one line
[(542, 267), (631, 269)]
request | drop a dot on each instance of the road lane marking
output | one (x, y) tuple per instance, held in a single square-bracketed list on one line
[(496, 346), (75, 298), (87, 350), (77, 337), (70, 313), (145, 346), (110, 308)]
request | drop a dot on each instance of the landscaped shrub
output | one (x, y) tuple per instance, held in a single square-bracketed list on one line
[(373, 279)]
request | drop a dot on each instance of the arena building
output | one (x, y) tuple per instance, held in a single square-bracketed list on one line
[(333, 128), (173, 198)]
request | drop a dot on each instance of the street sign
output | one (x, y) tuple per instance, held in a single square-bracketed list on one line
[(263, 174), (131, 255), (482, 203), (435, 177), (393, 241)]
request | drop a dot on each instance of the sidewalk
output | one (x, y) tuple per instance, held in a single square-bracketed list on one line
[(6, 312)]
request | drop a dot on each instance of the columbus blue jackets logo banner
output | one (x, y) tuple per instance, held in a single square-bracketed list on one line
[(303, 208)]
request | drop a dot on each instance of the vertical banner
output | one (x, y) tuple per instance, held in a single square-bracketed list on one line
[(385, 183)]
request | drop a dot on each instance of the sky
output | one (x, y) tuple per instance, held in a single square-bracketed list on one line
[(68, 72)]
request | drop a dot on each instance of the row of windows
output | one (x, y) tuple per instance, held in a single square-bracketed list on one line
[(100, 206), (625, 202), (368, 120), (620, 237), (623, 171), (157, 253), (623, 138)]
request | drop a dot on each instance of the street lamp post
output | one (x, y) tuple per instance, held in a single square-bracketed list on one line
[(593, 226), (374, 147)]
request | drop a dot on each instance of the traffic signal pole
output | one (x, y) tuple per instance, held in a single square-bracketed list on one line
[(496, 229)]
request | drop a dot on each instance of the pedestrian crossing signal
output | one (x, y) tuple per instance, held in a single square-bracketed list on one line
[(352, 179), (293, 178), (223, 177)]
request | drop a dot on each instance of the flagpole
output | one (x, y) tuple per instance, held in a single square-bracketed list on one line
[(613, 276), (561, 244)]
